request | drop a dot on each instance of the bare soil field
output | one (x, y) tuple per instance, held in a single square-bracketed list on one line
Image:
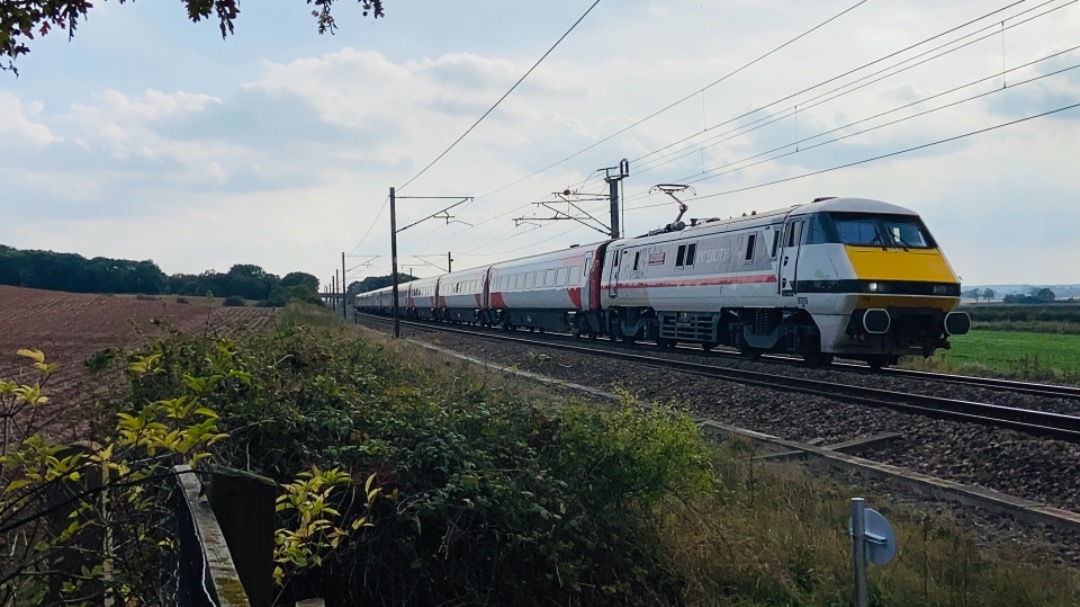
[(71, 327)]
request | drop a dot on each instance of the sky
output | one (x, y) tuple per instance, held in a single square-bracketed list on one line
[(149, 137)]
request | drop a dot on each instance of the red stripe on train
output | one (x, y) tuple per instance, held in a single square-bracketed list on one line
[(697, 282)]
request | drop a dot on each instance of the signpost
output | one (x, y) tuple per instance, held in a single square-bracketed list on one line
[(872, 539)]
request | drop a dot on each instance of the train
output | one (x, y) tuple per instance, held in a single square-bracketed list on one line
[(853, 278)]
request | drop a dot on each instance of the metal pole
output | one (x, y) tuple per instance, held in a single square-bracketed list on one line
[(858, 543), (337, 283), (449, 263), (393, 260), (344, 288), (613, 193)]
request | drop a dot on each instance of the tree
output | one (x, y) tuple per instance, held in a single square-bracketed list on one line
[(1043, 295), (21, 21), (974, 294), (251, 281), (377, 282), (988, 294), (293, 279)]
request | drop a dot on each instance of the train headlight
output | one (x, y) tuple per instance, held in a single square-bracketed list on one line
[(874, 287), (941, 289)]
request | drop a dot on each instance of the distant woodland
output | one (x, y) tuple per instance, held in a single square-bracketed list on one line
[(75, 273)]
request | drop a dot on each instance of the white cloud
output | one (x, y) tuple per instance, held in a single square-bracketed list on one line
[(18, 124)]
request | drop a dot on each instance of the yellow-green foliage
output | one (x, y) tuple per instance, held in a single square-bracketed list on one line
[(57, 500)]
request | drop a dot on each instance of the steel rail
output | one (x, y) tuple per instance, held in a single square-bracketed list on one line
[(1040, 423), (1019, 387)]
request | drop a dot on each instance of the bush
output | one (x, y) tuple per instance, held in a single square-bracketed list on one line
[(482, 498), (276, 300), (234, 301), (182, 300), (305, 294), (145, 297)]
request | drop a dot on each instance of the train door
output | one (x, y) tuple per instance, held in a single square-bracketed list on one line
[(586, 284), (789, 257), (616, 263)]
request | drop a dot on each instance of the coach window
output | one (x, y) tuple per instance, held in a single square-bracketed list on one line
[(679, 255), (751, 240), (549, 281)]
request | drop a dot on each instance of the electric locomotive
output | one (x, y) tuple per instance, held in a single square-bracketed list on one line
[(849, 277)]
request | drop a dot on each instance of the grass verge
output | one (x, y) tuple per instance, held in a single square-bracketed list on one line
[(1013, 354)]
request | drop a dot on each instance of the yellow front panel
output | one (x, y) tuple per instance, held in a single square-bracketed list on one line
[(922, 265)]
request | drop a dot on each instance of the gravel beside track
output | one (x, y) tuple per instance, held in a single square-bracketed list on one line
[(1008, 461), (997, 396)]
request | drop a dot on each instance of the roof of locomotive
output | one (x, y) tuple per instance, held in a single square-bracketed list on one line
[(852, 205), (837, 205)]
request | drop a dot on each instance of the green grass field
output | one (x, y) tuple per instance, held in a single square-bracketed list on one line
[(1017, 354)]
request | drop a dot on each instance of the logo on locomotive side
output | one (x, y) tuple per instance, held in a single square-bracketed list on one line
[(657, 259), (713, 255)]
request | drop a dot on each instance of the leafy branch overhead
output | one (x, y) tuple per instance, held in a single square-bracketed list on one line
[(22, 20)]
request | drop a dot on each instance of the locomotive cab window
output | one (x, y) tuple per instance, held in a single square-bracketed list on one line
[(817, 233), (881, 231), (775, 243), (637, 258)]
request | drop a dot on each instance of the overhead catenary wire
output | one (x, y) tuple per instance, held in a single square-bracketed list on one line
[(801, 107), (862, 67), (818, 85), (883, 156), (372, 226), (680, 101), (839, 90), (716, 171), (505, 95)]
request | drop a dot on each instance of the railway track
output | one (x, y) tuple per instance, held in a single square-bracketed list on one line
[(1018, 387), (1040, 423)]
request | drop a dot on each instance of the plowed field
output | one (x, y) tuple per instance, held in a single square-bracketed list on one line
[(70, 327)]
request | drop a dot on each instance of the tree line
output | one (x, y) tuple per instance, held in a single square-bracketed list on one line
[(1035, 295), (75, 273)]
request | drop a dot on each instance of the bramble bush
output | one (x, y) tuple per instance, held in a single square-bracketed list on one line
[(446, 489)]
